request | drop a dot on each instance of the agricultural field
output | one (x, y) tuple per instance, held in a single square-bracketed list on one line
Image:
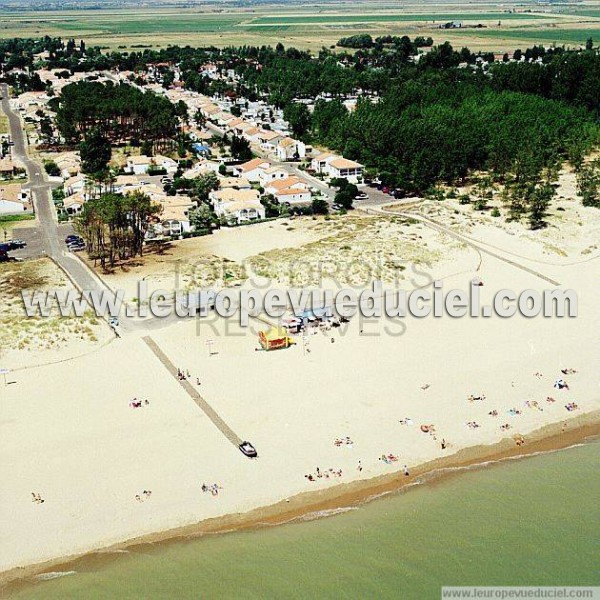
[(321, 26)]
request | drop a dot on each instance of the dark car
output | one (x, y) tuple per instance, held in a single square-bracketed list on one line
[(16, 244), (248, 450), (73, 238)]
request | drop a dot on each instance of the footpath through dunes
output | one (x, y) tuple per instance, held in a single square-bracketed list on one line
[(206, 408), (477, 245)]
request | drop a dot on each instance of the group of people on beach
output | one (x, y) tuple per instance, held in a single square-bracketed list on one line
[(213, 489), (343, 442), (388, 459), (135, 403), (143, 496), (184, 375), (326, 474)]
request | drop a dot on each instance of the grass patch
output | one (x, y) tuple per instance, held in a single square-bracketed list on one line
[(15, 218), (386, 18), (557, 34)]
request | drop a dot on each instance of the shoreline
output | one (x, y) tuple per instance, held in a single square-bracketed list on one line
[(552, 437)]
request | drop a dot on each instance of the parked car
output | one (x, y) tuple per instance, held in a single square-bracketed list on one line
[(73, 238), (113, 321), (16, 244), (385, 189), (247, 449), (336, 206), (362, 196)]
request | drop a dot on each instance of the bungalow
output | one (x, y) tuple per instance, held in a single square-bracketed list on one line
[(74, 185), (237, 183), (320, 164), (271, 174), (13, 199), (292, 182), (138, 165), (201, 168), (175, 220), (73, 205), (7, 167), (241, 211), (69, 166), (220, 197), (269, 140), (348, 169), (251, 170), (337, 166), (289, 149), (11, 206), (251, 134), (293, 196), (166, 163)]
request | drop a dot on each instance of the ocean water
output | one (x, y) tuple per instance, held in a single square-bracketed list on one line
[(534, 521)]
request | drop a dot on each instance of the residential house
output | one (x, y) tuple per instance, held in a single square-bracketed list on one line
[(269, 140), (290, 149), (7, 168), (251, 170), (337, 166), (138, 165), (242, 211), (13, 199), (237, 183), (218, 197), (166, 163), (73, 204), (320, 163), (237, 206), (348, 169), (76, 184), (293, 196), (271, 174), (290, 190)]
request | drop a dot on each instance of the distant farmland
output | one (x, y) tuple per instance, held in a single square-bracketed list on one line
[(310, 28)]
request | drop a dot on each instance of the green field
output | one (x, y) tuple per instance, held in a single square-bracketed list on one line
[(387, 18), (310, 28), (558, 35)]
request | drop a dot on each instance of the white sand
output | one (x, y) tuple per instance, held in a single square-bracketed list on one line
[(68, 433)]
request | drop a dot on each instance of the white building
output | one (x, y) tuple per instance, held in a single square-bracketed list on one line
[(251, 170), (138, 165), (290, 149), (271, 174), (333, 165), (240, 212)]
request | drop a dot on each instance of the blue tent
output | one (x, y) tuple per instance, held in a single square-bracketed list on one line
[(201, 148)]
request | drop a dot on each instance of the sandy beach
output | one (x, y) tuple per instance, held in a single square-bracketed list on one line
[(69, 433)]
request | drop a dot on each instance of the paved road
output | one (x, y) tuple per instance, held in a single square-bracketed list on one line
[(206, 408), (49, 232)]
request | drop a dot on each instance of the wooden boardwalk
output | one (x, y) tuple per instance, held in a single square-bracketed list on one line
[(206, 408)]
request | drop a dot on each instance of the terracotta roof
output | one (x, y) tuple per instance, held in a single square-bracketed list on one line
[(253, 164)]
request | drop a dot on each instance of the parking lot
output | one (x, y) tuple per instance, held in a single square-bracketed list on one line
[(32, 237)]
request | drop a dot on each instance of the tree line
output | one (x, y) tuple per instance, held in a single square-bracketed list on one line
[(119, 112)]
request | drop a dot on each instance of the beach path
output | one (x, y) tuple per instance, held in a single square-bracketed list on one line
[(208, 410)]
